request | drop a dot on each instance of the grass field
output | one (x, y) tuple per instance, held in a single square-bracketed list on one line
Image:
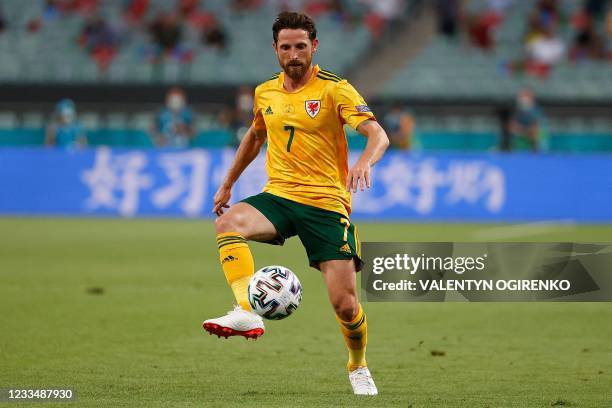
[(113, 309)]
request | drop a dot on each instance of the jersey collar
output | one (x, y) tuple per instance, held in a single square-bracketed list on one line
[(281, 79)]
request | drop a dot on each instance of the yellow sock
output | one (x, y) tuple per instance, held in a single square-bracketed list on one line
[(356, 338), (237, 263)]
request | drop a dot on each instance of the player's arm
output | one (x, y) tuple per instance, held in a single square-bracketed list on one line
[(355, 112), (247, 152), (378, 141)]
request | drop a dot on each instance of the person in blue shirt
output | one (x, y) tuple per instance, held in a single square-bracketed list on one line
[(525, 124), (173, 125), (65, 131), (399, 123)]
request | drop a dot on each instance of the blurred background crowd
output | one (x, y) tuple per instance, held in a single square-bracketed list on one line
[(475, 75)]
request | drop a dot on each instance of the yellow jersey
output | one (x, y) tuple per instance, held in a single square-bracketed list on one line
[(307, 154)]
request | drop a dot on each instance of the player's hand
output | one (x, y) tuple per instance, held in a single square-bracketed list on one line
[(358, 175), (222, 197)]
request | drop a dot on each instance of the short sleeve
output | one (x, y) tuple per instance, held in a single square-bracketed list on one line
[(350, 105), (258, 120)]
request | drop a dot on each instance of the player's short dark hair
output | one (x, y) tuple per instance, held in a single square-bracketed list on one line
[(292, 20)]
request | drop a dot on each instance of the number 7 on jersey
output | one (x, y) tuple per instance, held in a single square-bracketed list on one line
[(291, 130)]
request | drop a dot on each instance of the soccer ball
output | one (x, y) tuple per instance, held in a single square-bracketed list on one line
[(274, 292)]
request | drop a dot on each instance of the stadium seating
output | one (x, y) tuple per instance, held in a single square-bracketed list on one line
[(55, 44), (445, 69), (451, 69)]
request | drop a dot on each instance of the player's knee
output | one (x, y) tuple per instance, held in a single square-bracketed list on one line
[(346, 308), (229, 223)]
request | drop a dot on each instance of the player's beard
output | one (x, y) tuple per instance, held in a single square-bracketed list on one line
[(296, 72)]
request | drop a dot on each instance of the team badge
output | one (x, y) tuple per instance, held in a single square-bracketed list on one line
[(313, 107)]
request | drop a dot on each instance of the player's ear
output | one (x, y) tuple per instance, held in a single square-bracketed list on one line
[(315, 45)]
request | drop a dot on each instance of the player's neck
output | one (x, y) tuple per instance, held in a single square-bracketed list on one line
[(292, 85)]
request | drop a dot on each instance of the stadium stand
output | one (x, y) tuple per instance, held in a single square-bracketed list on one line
[(451, 68), (60, 42), (485, 56), (99, 40)]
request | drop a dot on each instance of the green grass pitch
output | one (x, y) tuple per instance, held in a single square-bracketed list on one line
[(113, 308)]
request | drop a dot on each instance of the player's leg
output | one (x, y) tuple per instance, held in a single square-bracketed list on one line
[(340, 279), (333, 247), (259, 218), (234, 228), (241, 223), (339, 276)]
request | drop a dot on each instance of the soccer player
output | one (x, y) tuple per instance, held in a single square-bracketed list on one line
[(301, 111)]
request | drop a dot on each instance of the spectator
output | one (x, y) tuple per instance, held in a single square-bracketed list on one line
[(339, 12), (315, 8), (480, 25), (525, 123), (58, 8), (166, 31), (64, 130), (399, 124), (544, 51), (214, 36), (244, 105), (596, 8), (83, 7), (187, 8), (480, 29), (99, 41), (173, 125), (2, 22), (237, 119), (543, 48), (608, 30), (52, 10), (546, 13), (135, 10), (34, 25), (505, 116), (387, 9), (194, 16), (544, 17), (587, 44), (381, 12), (448, 17)]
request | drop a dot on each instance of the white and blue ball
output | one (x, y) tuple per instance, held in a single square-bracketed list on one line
[(274, 292)]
